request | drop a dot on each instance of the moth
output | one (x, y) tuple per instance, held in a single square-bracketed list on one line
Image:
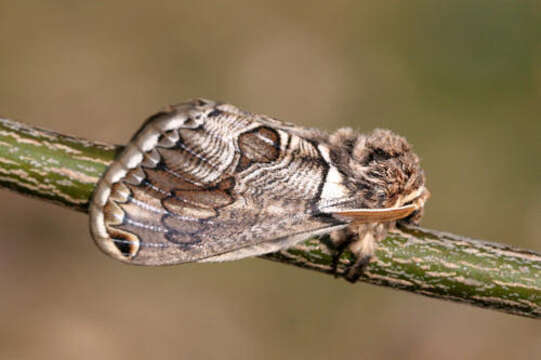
[(204, 181)]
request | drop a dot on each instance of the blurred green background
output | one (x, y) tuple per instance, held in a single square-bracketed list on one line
[(460, 79)]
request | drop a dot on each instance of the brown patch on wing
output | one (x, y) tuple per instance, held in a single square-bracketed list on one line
[(147, 195), (244, 163), (207, 198), (210, 198), (200, 203), (260, 145), (167, 181), (181, 207)]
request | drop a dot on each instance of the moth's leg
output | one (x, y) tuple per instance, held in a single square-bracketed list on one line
[(364, 249), (340, 240)]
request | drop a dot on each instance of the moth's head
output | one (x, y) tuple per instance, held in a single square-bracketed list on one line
[(381, 169)]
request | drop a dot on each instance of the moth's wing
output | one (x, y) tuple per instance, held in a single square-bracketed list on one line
[(364, 216), (312, 134), (202, 183)]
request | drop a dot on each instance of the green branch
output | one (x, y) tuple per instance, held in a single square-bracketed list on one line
[(65, 169)]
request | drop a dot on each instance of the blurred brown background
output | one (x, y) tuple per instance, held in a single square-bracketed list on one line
[(460, 79)]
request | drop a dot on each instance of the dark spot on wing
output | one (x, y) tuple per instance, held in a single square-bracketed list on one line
[(127, 243)]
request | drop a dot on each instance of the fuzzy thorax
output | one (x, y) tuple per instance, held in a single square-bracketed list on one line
[(380, 167)]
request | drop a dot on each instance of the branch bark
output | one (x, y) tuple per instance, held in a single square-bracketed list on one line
[(64, 169)]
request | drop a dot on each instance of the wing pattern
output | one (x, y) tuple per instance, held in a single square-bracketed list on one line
[(209, 182)]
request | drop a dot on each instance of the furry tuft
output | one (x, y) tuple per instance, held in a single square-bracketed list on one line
[(380, 165)]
